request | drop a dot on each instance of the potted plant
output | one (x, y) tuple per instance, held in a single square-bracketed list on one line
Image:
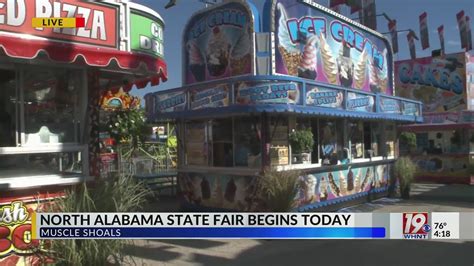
[(301, 142), (404, 170)]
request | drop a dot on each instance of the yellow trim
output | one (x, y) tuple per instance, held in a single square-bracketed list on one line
[(53, 22), (33, 225)]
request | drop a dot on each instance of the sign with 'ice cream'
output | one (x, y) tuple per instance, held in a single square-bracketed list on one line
[(218, 43), (314, 44)]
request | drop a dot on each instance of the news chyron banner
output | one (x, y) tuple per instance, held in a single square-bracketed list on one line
[(416, 225)]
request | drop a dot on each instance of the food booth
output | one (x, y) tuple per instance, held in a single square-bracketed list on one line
[(253, 94), (51, 82), (444, 149)]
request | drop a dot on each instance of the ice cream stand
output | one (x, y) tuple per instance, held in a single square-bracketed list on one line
[(445, 140), (251, 87), (51, 82)]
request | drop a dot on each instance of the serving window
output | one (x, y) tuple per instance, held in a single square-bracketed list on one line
[(222, 144), (331, 133), (390, 138), (278, 133), (247, 141), (356, 136), (196, 143), (237, 141), (42, 112), (229, 142)]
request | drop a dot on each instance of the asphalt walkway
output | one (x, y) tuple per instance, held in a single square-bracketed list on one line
[(425, 197)]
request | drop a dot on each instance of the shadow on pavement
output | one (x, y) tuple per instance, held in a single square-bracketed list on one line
[(349, 252), (191, 243), (158, 254), (453, 204), (454, 192)]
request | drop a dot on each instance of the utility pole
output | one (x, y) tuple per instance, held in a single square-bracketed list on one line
[(407, 30)]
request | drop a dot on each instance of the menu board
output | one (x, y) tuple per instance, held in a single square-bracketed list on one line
[(266, 92), (324, 97), (215, 96), (360, 102)]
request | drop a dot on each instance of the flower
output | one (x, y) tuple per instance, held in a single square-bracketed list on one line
[(117, 124)]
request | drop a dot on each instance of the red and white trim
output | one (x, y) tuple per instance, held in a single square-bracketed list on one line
[(30, 48)]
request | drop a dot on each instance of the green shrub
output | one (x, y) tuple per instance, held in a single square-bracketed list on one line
[(404, 169), (172, 142), (128, 125), (409, 139), (278, 189), (301, 141), (121, 195)]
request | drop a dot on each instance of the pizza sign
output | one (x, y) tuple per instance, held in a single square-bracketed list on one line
[(100, 20)]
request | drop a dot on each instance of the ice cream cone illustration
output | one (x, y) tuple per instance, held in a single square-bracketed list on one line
[(366, 179), (217, 196), (342, 183), (289, 51), (205, 189), (359, 71), (350, 180), (357, 181), (345, 66), (240, 57), (329, 63), (310, 188), (230, 190), (307, 67), (332, 183), (217, 55), (323, 189), (196, 61)]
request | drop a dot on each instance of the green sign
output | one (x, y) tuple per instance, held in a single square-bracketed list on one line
[(146, 35)]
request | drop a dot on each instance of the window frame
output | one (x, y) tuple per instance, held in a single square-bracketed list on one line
[(79, 119), (341, 133)]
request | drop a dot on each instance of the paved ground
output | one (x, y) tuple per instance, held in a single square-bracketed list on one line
[(426, 197)]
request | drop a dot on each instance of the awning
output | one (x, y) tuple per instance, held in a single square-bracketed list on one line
[(32, 47), (438, 127), (281, 108)]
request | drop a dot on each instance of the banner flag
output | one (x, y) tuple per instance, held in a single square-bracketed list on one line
[(425, 39)]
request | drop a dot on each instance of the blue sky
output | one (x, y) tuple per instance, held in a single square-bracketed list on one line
[(406, 12)]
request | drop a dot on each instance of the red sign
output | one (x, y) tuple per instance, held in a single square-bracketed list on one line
[(415, 224), (100, 20)]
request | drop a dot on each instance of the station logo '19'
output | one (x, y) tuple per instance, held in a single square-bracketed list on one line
[(415, 225)]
